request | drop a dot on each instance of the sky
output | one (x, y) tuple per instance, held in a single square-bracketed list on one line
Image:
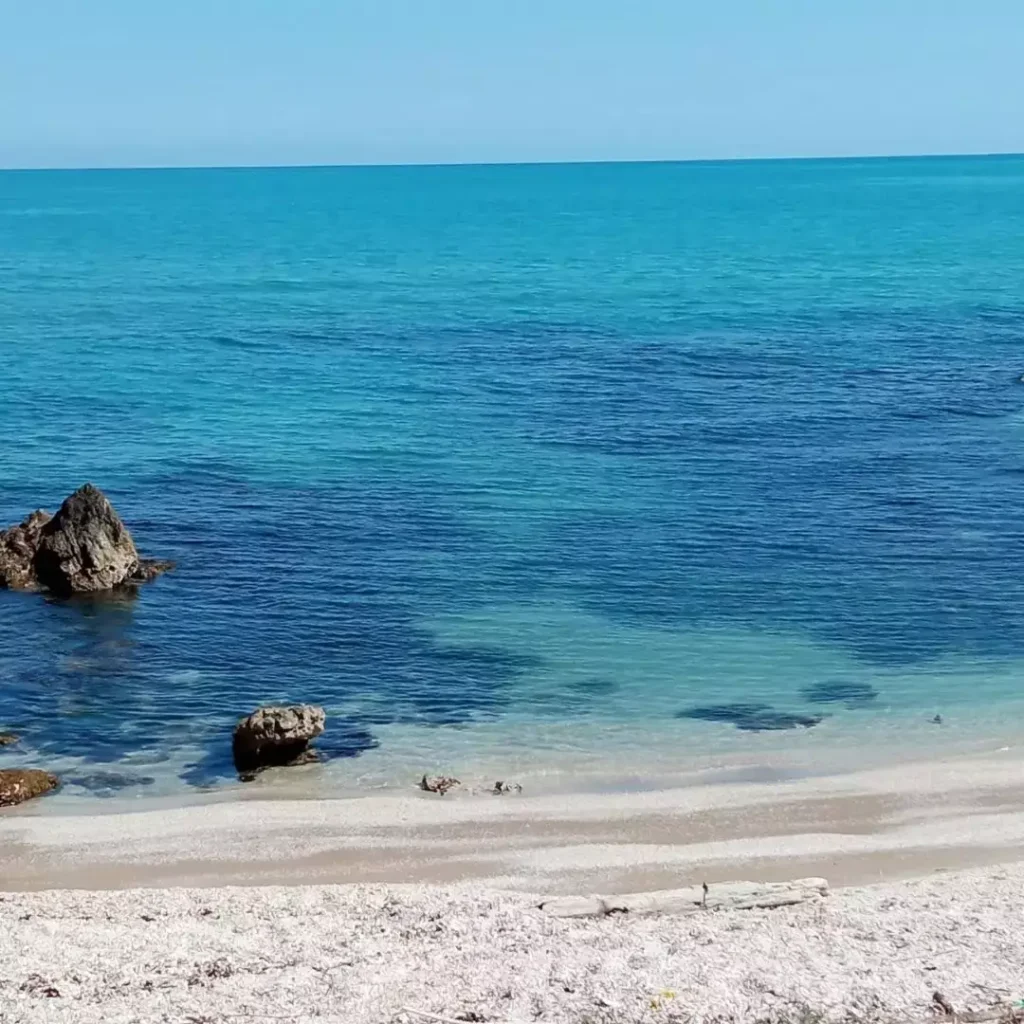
[(210, 82)]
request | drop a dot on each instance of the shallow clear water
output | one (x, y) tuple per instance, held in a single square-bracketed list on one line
[(510, 465)]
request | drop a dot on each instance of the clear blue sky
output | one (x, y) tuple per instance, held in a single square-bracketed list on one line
[(129, 82)]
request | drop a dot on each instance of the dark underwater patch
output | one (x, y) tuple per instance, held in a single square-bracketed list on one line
[(107, 783), (344, 738), (839, 691), (751, 717), (594, 687)]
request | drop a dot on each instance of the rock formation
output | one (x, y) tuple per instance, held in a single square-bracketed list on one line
[(274, 736), (84, 548), (20, 784)]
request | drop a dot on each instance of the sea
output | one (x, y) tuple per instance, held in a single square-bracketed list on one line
[(579, 476)]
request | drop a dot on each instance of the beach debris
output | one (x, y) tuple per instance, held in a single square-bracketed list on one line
[(469, 1017), (943, 1004), (839, 691), (728, 896), (502, 788), (212, 970), (37, 985), (439, 784), (751, 717), (666, 995), (20, 784), (276, 736), (84, 548), (8, 739)]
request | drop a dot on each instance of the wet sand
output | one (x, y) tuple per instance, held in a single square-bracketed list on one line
[(854, 828)]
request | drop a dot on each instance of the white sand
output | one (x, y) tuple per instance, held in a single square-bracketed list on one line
[(361, 953)]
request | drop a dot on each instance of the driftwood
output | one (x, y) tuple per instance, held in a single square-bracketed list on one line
[(1003, 1014), (728, 896), (1006, 1014), (447, 1020)]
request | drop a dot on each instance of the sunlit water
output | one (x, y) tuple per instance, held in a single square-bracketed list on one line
[(510, 466)]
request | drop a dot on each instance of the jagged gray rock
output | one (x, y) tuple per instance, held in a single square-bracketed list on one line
[(84, 548), (273, 736)]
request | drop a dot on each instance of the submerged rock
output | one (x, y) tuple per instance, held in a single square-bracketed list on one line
[(277, 736), (838, 691), (84, 548), (8, 739), (751, 717), (20, 784)]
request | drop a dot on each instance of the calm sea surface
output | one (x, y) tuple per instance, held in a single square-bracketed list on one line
[(510, 466)]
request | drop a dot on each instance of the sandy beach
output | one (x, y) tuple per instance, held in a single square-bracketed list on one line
[(239, 909), (358, 954)]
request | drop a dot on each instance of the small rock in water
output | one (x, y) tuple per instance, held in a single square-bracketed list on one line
[(276, 736), (501, 788), (838, 691), (751, 717), (439, 784), (20, 784), (937, 720), (7, 739)]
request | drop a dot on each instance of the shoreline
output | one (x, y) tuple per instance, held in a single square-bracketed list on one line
[(586, 757), (851, 828)]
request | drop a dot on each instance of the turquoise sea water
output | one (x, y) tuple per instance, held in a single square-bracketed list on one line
[(510, 466)]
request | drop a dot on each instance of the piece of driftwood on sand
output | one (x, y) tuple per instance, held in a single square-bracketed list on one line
[(731, 896)]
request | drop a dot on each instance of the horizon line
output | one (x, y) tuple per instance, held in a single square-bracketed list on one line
[(370, 165)]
